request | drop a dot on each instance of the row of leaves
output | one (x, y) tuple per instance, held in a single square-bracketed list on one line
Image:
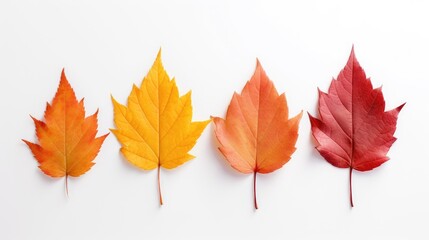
[(156, 130)]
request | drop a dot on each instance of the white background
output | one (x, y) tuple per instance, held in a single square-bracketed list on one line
[(211, 48)]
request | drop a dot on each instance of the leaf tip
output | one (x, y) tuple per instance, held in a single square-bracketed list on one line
[(214, 119), (319, 92), (63, 75), (352, 57), (259, 67), (158, 56), (313, 120), (103, 137), (399, 108), (64, 85)]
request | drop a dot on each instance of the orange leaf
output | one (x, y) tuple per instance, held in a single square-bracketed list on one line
[(67, 143), (257, 136)]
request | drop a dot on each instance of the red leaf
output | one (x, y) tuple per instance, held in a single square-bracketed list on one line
[(354, 131)]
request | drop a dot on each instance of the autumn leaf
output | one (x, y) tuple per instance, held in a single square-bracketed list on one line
[(156, 129), (354, 131), (67, 143), (257, 136)]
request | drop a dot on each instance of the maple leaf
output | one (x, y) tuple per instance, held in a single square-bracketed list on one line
[(256, 136), (156, 129), (354, 131), (67, 143)]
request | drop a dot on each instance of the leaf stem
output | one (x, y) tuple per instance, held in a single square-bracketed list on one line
[(254, 190), (350, 187), (67, 185), (159, 185)]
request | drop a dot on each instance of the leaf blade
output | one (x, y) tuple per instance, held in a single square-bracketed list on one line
[(67, 143), (354, 131), (156, 129), (257, 135)]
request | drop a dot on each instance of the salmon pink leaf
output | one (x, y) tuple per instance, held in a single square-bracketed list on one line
[(257, 135)]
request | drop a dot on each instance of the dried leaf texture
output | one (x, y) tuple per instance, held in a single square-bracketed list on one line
[(67, 140), (156, 128), (354, 131), (256, 136)]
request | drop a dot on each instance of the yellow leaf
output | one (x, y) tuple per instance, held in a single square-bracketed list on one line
[(156, 128)]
